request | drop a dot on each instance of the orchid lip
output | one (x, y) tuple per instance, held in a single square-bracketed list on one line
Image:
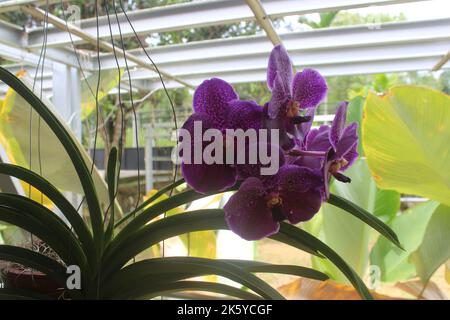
[(342, 178), (301, 119), (277, 214), (292, 109)]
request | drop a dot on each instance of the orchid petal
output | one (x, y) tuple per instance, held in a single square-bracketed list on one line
[(206, 178), (212, 97), (300, 192), (245, 115), (338, 124), (280, 98), (247, 214), (309, 88), (281, 64)]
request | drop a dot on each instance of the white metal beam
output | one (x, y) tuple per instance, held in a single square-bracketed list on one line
[(62, 25), (308, 41), (199, 14), (339, 46), (11, 34), (348, 68)]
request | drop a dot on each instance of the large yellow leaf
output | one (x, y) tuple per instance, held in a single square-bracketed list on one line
[(406, 136)]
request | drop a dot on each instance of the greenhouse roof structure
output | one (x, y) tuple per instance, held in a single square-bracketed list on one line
[(391, 47)]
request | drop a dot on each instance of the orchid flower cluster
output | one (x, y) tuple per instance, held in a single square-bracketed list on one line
[(309, 157)]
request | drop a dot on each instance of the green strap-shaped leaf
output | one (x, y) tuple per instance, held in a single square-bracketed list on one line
[(120, 251), (112, 180), (145, 291), (70, 147), (172, 269), (58, 199), (42, 222), (211, 220), (366, 217), (260, 267), (150, 200), (178, 268)]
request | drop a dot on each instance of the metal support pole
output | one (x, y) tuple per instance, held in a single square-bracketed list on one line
[(148, 158), (67, 101)]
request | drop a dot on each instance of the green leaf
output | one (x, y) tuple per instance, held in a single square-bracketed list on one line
[(120, 252), (334, 222), (42, 222), (175, 268), (71, 148), (112, 174), (405, 137), (260, 267), (355, 114), (366, 217), (150, 200), (410, 227), (434, 249), (57, 198), (144, 290)]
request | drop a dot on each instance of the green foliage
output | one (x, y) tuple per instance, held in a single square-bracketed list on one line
[(410, 226), (434, 249)]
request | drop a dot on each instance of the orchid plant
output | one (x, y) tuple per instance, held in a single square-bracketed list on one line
[(309, 157), (104, 250)]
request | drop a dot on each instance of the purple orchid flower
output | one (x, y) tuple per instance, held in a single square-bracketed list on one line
[(216, 106), (332, 148), (291, 95), (257, 208)]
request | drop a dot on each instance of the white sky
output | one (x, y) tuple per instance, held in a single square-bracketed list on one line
[(422, 10)]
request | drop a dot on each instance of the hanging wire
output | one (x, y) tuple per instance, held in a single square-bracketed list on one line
[(41, 58), (120, 142), (132, 106), (94, 95), (168, 97)]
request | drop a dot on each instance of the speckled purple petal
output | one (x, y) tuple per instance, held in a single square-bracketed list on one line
[(254, 170), (247, 214), (206, 178), (351, 157), (347, 141), (279, 100), (318, 139), (212, 97), (279, 62), (300, 192), (309, 88), (245, 115), (337, 127)]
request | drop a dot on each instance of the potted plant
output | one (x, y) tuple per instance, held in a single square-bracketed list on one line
[(103, 249)]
